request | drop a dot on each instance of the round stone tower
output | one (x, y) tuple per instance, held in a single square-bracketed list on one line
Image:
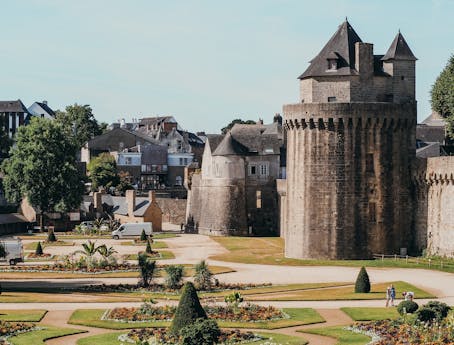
[(350, 153)]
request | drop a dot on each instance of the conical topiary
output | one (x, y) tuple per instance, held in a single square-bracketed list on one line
[(51, 237), (39, 249), (189, 309), (143, 236), (362, 284), (149, 250)]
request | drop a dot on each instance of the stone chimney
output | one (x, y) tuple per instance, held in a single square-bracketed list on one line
[(97, 201), (45, 102), (152, 196), (131, 201), (364, 59)]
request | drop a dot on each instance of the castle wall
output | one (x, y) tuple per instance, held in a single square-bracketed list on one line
[(421, 207), (348, 179)]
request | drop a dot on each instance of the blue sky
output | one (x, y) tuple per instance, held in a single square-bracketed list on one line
[(204, 62)]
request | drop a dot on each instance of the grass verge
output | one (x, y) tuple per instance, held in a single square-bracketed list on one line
[(343, 336), (30, 315), (163, 255), (154, 245), (298, 317), (39, 337), (270, 338), (33, 245), (371, 314)]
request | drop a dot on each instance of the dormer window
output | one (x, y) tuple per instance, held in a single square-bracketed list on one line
[(332, 59)]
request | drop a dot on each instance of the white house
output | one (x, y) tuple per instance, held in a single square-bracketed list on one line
[(41, 109)]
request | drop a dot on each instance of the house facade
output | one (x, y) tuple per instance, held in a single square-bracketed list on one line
[(12, 115)]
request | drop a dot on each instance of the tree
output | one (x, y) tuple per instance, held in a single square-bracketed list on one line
[(103, 172), (42, 168), (5, 143), (202, 276), (188, 311), (148, 249), (143, 236), (362, 282), (174, 275), (51, 236), (442, 95), (39, 249), (89, 250), (79, 123), (106, 252), (239, 121), (146, 267), (124, 182)]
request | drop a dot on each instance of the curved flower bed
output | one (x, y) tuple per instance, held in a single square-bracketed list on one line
[(9, 329), (246, 313), (161, 337), (399, 333), (65, 268)]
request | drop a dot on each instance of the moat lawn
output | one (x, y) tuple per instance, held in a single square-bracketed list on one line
[(270, 251)]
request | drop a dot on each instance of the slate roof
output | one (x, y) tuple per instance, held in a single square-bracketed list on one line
[(12, 107), (434, 119), (46, 108), (150, 121), (399, 50), (119, 204), (214, 140), (12, 218), (341, 45), (99, 139), (229, 146), (193, 139)]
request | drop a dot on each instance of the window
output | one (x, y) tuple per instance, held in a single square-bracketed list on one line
[(402, 77), (128, 160), (370, 163), (332, 99), (332, 64), (372, 212), (258, 196), (264, 169), (389, 97), (252, 170)]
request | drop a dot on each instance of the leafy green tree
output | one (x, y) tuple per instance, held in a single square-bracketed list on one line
[(103, 172), (188, 311), (42, 168), (201, 332), (79, 123), (5, 143), (231, 124), (362, 284), (442, 95)]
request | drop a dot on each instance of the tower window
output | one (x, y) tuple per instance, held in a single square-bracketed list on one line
[(372, 212), (258, 195), (252, 170), (370, 163), (332, 64), (332, 99)]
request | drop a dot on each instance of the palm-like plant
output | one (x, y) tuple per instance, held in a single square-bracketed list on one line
[(106, 252), (89, 250)]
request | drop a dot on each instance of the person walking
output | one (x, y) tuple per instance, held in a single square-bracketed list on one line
[(388, 295), (392, 294)]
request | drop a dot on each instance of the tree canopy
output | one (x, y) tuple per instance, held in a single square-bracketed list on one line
[(42, 167), (103, 172), (231, 124), (5, 143), (79, 123), (442, 95)]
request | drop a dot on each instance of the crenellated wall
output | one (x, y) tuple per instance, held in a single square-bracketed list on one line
[(349, 168)]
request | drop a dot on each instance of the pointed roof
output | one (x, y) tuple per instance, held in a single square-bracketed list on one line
[(342, 46), (435, 120), (399, 50), (229, 146)]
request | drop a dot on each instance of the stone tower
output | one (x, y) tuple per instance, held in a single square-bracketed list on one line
[(350, 152)]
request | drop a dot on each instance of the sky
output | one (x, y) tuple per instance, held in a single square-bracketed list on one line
[(203, 62)]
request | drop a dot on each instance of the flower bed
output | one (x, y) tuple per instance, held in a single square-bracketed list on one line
[(40, 256), (161, 337), (9, 329), (246, 313), (59, 267), (398, 332)]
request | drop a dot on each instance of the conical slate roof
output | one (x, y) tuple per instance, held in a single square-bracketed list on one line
[(229, 146), (399, 50), (342, 46)]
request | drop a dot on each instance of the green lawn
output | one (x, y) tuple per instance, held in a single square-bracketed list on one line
[(270, 251), (154, 245), (164, 255), (271, 338), (371, 314), (72, 236), (33, 245), (39, 337), (343, 336), (298, 317), (30, 315)]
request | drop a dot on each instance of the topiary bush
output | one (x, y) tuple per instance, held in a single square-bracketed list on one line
[(174, 276), (441, 309), (39, 249), (408, 307), (143, 236), (362, 284), (201, 332), (51, 237), (189, 309), (148, 250), (425, 314)]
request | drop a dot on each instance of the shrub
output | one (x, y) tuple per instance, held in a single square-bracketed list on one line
[(39, 249), (143, 236), (441, 309), (234, 299), (2, 250), (146, 267), (362, 284), (188, 310), (51, 237), (407, 307), (201, 332), (202, 276), (174, 276), (425, 314), (149, 250)]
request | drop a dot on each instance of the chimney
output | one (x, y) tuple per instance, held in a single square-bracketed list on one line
[(97, 201), (45, 102), (364, 59), (152, 196), (131, 201)]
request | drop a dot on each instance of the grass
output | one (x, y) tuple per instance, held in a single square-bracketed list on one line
[(31, 315), (39, 337), (65, 275), (56, 297), (164, 255), (72, 236), (298, 317), (371, 314), (154, 245), (344, 293), (112, 339), (270, 251), (33, 245), (343, 336)]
